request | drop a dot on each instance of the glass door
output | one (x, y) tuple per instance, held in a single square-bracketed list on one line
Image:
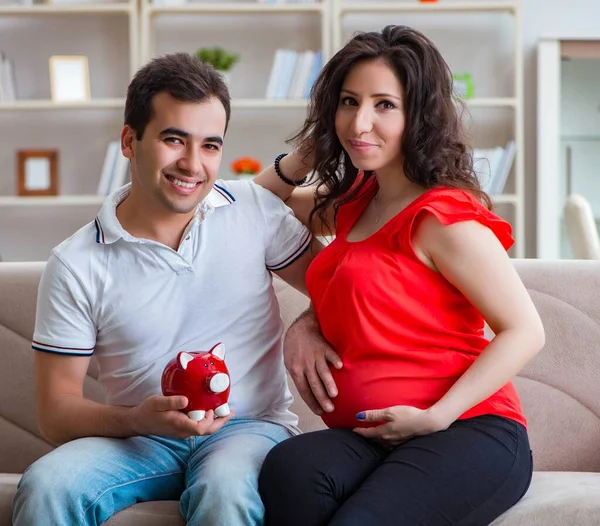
[(579, 136)]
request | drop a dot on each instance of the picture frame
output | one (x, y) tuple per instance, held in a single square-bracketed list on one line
[(69, 78), (37, 172)]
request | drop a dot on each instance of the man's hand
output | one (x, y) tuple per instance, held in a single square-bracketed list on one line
[(307, 356), (161, 415)]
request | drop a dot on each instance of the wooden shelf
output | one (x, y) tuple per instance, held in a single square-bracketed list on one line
[(120, 104), (235, 8), (58, 200), (480, 102), (42, 104), (269, 103), (505, 198), (444, 6), (492, 102), (97, 200), (65, 9)]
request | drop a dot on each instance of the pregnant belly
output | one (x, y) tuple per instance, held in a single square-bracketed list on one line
[(361, 388)]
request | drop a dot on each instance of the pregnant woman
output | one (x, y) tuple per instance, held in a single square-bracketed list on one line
[(426, 428)]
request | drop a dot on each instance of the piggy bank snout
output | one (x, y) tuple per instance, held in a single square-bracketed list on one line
[(219, 383)]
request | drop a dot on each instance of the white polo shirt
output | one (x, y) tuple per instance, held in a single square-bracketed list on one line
[(135, 303)]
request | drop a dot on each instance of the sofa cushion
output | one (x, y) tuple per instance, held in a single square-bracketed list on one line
[(158, 513), (554, 499), (559, 387), (8, 486), (557, 499)]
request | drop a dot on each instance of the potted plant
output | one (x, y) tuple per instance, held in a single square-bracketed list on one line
[(221, 60), (245, 167)]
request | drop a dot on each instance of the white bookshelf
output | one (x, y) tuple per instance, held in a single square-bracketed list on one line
[(236, 8), (59, 200), (268, 103), (318, 25), (108, 34), (445, 6), (505, 199), (492, 102), (66, 9), (395, 12), (128, 9), (41, 104), (150, 12)]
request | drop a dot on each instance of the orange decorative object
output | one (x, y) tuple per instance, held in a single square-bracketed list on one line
[(245, 165), (428, 1)]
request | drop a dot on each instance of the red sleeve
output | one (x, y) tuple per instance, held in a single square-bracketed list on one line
[(450, 206)]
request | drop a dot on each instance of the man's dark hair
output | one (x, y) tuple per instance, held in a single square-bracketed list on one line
[(184, 77)]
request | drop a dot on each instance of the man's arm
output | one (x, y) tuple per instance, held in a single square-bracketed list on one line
[(301, 200), (294, 274), (64, 414)]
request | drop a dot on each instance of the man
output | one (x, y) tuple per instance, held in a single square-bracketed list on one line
[(172, 262)]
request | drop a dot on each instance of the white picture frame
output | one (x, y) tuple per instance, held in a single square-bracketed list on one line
[(69, 78)]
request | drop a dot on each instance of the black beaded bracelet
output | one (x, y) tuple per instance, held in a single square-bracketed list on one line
[(283, 177)]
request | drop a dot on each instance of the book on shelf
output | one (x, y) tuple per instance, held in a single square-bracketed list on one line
[(293, 74), (115, 170), (493, 165), (8, 87)]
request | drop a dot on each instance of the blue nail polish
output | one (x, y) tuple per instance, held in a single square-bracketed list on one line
[(361, 416)]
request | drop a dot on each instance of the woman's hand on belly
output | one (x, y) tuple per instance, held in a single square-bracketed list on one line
[(398, 424)]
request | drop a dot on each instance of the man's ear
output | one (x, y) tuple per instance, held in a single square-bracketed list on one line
[(127, 139)]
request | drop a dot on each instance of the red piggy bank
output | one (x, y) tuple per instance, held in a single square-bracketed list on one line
[(203, 378)]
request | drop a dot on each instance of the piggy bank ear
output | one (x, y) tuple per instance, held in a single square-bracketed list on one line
[(183, 359), (218, 351)]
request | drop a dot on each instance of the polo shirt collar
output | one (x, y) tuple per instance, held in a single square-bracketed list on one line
[(109, 230)]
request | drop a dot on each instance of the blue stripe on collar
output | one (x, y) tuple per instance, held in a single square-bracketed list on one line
[(219, 187), (219, 196), (99, 232)]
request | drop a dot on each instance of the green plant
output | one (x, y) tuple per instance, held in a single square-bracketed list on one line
[(464, 86), (221, 60)]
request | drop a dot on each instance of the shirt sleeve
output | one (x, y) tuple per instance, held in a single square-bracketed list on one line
[(286, 238), (454, 205), (63, 320)]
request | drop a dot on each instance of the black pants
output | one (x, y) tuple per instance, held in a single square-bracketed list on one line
[(466, 475)]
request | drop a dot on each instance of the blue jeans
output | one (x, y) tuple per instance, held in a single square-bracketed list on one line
[(86, 481)]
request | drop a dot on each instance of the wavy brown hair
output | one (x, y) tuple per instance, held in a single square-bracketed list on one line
[(434, 142)]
